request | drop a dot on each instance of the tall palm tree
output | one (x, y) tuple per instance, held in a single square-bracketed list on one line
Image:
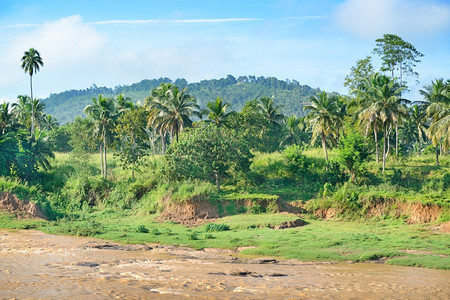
[(321, 117), (217, 112), (388, 106), (38, 118), (31, 62), (173, 108), (415, 127), (103, 111), (436, 100)]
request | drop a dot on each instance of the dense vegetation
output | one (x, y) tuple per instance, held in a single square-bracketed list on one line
[(65, 106), (348, 154)]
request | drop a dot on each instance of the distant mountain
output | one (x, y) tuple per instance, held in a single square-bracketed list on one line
[(291, 95)]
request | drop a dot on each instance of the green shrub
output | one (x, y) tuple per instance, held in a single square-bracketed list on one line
[(142, 229), (88, 228), (216, 227)]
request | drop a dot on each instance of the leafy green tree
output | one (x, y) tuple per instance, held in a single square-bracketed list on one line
[(208, 153), (397, 55), (321, 117), (41, 149), (132, 138), (31, 63), (352, 153), (359, 73)]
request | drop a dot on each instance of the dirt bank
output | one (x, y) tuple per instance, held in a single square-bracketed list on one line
[(413, 212), (21, 208), (34, 265)]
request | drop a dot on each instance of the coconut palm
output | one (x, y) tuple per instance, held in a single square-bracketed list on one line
[(436, 101), (41, 149), (31, 63), (321, 117), (49, 122), (103, 111), (217, 112), (415, 127), (271, 112), (6, 118), (387, 105), (22, 110), (172, 109)]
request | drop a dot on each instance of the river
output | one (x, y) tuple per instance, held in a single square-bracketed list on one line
[(35, 265)]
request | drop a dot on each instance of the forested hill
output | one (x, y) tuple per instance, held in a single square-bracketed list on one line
[(291, 95)]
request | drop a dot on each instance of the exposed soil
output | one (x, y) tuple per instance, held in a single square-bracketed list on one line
[(415, 212), (20, 208), (196, 212), (34, 265)]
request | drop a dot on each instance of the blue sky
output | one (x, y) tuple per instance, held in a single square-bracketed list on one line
[(109, 43)]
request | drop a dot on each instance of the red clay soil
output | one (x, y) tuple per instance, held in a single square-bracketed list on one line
[(416, 212), (21, 208)]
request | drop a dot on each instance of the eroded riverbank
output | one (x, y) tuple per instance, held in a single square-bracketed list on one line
[(37, 265)]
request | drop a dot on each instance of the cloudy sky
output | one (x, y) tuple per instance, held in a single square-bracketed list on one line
[(111, 43)]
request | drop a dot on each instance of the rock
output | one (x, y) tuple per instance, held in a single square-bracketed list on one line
[(277, 275), (263, 261), (291, 224), (87, 264), (109, 246)]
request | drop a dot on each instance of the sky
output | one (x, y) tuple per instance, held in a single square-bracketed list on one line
[(110, 43)]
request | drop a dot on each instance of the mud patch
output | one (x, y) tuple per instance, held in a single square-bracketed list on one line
[(21, 208)]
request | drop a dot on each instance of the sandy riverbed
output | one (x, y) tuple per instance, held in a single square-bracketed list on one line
[(35, 265)]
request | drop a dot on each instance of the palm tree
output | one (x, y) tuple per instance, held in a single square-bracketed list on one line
[(38, 118), (49, 122), (217, 112), (41, 149), (31, 62), (172, 109), (436, 99), (103, 111), (22, 110), (387, 105), (270, 111), (6, 118), (321, 117), (414, 128), (294, 131)]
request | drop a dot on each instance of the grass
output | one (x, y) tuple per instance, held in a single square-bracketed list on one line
[(319, 240), (126, 210)]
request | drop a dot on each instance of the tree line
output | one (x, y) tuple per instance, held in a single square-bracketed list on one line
[(215, 141)]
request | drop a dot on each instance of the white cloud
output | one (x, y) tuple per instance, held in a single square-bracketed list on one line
[(64, 44), (370, 19), (180, 21)]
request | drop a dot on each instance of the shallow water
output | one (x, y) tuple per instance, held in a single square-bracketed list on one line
[(37, 265)]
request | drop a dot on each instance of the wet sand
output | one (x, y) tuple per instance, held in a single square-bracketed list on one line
[(34, 265)]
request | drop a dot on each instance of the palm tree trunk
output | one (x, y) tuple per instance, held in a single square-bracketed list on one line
[(324, 145), (32, 106), (104, 143), (396, 139), (216, 175), (101, 157), (163, 142), (375, 133), (384, 146), (437, 154)]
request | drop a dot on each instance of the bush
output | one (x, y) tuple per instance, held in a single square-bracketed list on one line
[(297, 164), (211, 227), (142, 229)]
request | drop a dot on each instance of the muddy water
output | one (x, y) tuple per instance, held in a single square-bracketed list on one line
[(37, 265)]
